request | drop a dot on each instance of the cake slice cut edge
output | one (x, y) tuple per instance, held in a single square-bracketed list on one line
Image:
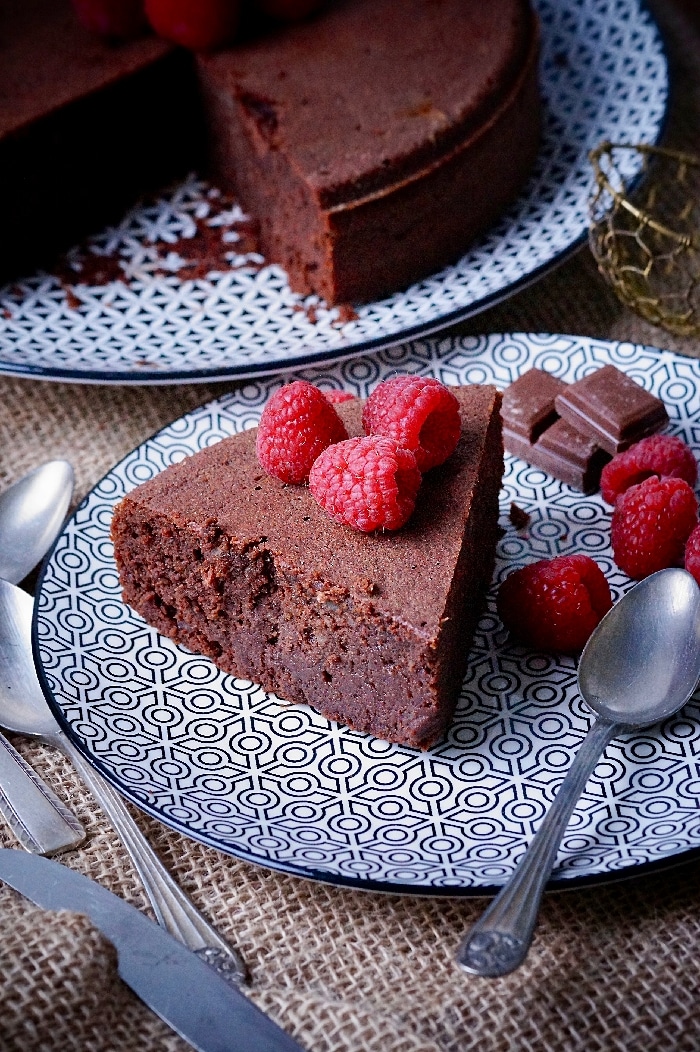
[(370, 630)]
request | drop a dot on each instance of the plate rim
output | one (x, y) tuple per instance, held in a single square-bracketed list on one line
[(155, 378), (311, 873)]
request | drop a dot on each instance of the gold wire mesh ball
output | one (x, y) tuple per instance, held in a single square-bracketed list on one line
[(646, 241)]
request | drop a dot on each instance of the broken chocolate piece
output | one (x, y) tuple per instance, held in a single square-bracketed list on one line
[(528, 403), (564, 452), (612, 407)]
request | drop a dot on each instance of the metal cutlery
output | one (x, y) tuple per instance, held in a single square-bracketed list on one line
[(640, 665), (31, 514), (24, 710), (191, 998)]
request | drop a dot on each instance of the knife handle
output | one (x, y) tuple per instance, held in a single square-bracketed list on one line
[(173, 909), (36, 816)]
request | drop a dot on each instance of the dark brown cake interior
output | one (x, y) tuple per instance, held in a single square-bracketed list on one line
[(371, 630), (86, 126)]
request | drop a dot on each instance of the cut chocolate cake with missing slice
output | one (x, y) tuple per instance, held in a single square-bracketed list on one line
[(372, 630), (375, 141)]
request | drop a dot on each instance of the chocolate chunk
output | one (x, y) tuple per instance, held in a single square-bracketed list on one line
[(564, 452), (528, 403), (611, 407)]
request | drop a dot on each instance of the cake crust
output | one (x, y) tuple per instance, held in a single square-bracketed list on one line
[(370, 630)]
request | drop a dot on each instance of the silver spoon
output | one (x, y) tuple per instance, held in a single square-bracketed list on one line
[(31, 514), (24, 709), (640, 665)]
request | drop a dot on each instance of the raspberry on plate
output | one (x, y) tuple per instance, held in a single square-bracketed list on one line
[(118, 19), (692, 554), (554, 604), (664, 455), (419, 413), (290, 10), (368, 483), (651, 524), (196, 24), (296, 425)]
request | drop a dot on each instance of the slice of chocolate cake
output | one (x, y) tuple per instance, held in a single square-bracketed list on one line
[(372, 630)]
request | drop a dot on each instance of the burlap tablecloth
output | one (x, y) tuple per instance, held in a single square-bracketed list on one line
[(614, 967)]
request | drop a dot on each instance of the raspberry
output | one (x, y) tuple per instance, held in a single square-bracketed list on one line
[(419, 413), (290, 10), (368, 483), (650, 525), (196, 24), (662, 455), (336, 397), (554, 604), (296, 425), (692, 554), (118, 19)]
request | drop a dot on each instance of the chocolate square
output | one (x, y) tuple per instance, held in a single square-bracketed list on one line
[(612, 407), (564, 452), (528, 403)]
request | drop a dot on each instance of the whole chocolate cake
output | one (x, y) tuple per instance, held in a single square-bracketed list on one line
[(372, 630)]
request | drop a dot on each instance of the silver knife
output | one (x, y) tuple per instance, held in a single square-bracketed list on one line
[(177, 985)]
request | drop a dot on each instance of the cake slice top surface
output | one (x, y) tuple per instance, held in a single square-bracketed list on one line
[(48, 60), (369, 84), (223, 490)]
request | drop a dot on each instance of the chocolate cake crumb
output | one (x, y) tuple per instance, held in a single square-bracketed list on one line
[(345, 313), (73, 302), (519, 517), (224, 239)]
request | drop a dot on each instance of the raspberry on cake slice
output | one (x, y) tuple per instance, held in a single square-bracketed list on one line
[(297, 424), (369, 483), (370, 629), (419, 413)]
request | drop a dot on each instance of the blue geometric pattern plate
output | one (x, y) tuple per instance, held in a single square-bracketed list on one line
[(221, 760), (603, 76)]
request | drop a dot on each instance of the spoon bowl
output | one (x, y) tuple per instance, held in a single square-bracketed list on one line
[(23, 708), (32, 512), (642, 662), (640, 665)]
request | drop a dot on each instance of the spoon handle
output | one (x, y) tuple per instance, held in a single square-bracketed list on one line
[(39, 820), (500, 939), (174, 910)]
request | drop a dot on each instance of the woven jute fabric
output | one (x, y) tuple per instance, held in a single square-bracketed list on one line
[(613, 968)]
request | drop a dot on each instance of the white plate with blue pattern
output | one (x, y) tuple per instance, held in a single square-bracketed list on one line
[(603, 75), (222, 761)]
